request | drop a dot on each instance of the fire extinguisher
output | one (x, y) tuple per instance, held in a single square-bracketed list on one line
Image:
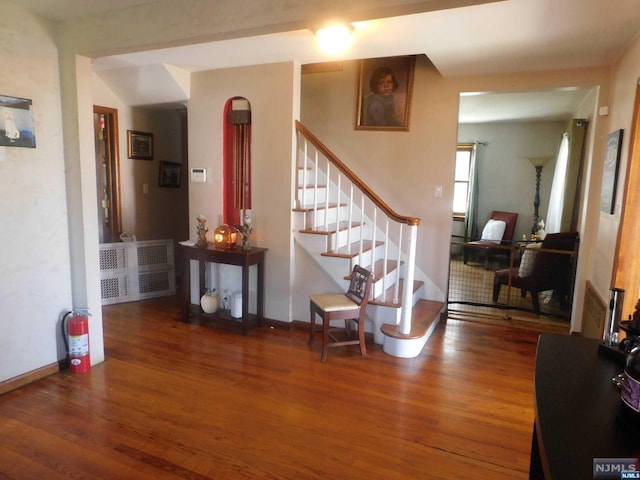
[(75, 332)]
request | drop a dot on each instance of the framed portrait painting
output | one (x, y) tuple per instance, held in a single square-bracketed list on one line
[(140, 145), (384, 93), (610, 173)]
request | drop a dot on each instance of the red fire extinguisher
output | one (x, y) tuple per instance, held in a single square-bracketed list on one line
[(75, 332)]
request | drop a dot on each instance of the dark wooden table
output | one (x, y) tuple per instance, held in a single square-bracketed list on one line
[(237, 256), (576, 409)]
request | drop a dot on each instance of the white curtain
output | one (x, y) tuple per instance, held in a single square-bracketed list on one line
[(556, 198), (471, 215)]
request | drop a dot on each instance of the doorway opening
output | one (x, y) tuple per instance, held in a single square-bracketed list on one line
[(105, 127), (507, 134)]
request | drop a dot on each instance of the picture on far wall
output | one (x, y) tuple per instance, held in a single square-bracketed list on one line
[(170, 174), (384, 93), (16, 122), (610, 173), (140, 145)]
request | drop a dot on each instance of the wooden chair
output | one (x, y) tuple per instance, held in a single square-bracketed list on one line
[(551, 269), (349, 306), (492, 247)]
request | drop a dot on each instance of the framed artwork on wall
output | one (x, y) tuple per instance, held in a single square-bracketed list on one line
[(170, 174), (16, 122), (140, 145), (384, 93), (610, 172)]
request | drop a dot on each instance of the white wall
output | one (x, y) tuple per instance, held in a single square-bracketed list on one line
[(35, 284)]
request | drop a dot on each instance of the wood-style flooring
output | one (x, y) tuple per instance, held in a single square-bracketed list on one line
[(201, 401)]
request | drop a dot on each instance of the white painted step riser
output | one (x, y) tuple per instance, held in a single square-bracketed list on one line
[(310, 177), (317, 217), (314, 244), (309, 196), (345, 237)]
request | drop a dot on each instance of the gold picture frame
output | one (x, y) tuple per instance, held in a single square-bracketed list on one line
[(139, 145), (385, 87)]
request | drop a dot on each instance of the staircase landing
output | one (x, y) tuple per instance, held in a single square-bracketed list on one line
[(424, 319)]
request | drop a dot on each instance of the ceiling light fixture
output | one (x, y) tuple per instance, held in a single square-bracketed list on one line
[(335, 39)]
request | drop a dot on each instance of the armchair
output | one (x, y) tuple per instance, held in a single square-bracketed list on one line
[(551, 269), (489, 245)]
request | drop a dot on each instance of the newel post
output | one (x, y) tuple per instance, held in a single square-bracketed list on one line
[(407, 292)]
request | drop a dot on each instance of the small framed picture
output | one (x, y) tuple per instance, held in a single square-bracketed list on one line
[(384, 93), (140, 145), (16, 122), (170, 174), (610, 173)]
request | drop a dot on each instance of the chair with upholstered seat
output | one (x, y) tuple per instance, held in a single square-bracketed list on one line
[(550, 269), (349, 306), (497, 236)]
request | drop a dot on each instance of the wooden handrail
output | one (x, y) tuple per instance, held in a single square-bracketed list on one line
[(300, 128)]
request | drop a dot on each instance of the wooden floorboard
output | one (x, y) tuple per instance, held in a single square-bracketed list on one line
[(201, 401)]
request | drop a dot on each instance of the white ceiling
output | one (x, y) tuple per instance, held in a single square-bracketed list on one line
[(502, 37)]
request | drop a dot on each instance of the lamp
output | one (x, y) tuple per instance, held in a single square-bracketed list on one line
[(335, 39), (225, 237), (538, 163)]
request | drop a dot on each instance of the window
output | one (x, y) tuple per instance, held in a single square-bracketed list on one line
[(461, 179)]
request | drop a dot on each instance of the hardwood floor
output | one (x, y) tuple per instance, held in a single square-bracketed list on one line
[(187, 401)]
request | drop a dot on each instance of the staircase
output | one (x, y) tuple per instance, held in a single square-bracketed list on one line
[(340, 222)]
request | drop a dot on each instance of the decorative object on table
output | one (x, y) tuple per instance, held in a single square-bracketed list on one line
[(540, 234), (236, 305), (245, 230), (16, 122), (169, 174), (610, 334), (225, 237), (202, 230), (210, 301), (139, 145), (610, 172)]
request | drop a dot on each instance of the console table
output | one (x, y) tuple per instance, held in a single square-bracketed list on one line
[(237, 256), (576, 407)]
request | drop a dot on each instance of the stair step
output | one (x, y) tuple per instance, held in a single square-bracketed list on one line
[(330, 229), (378, 267), (425, 313), (350, 251), (311, 208), (386, 299)]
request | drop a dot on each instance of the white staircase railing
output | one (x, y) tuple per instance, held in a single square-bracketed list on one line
[(333, 197)]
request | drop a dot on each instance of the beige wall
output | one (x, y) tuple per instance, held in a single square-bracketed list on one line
[(405, 167), (624, 85), (506, 177), (162, 213), (270, 90), (66, 268)]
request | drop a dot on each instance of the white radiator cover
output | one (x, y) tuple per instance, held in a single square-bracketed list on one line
[(131, 271)]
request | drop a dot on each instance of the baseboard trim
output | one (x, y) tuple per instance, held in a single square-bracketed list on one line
[(29, 377)]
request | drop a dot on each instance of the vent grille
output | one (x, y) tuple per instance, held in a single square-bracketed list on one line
[(132, 271)]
